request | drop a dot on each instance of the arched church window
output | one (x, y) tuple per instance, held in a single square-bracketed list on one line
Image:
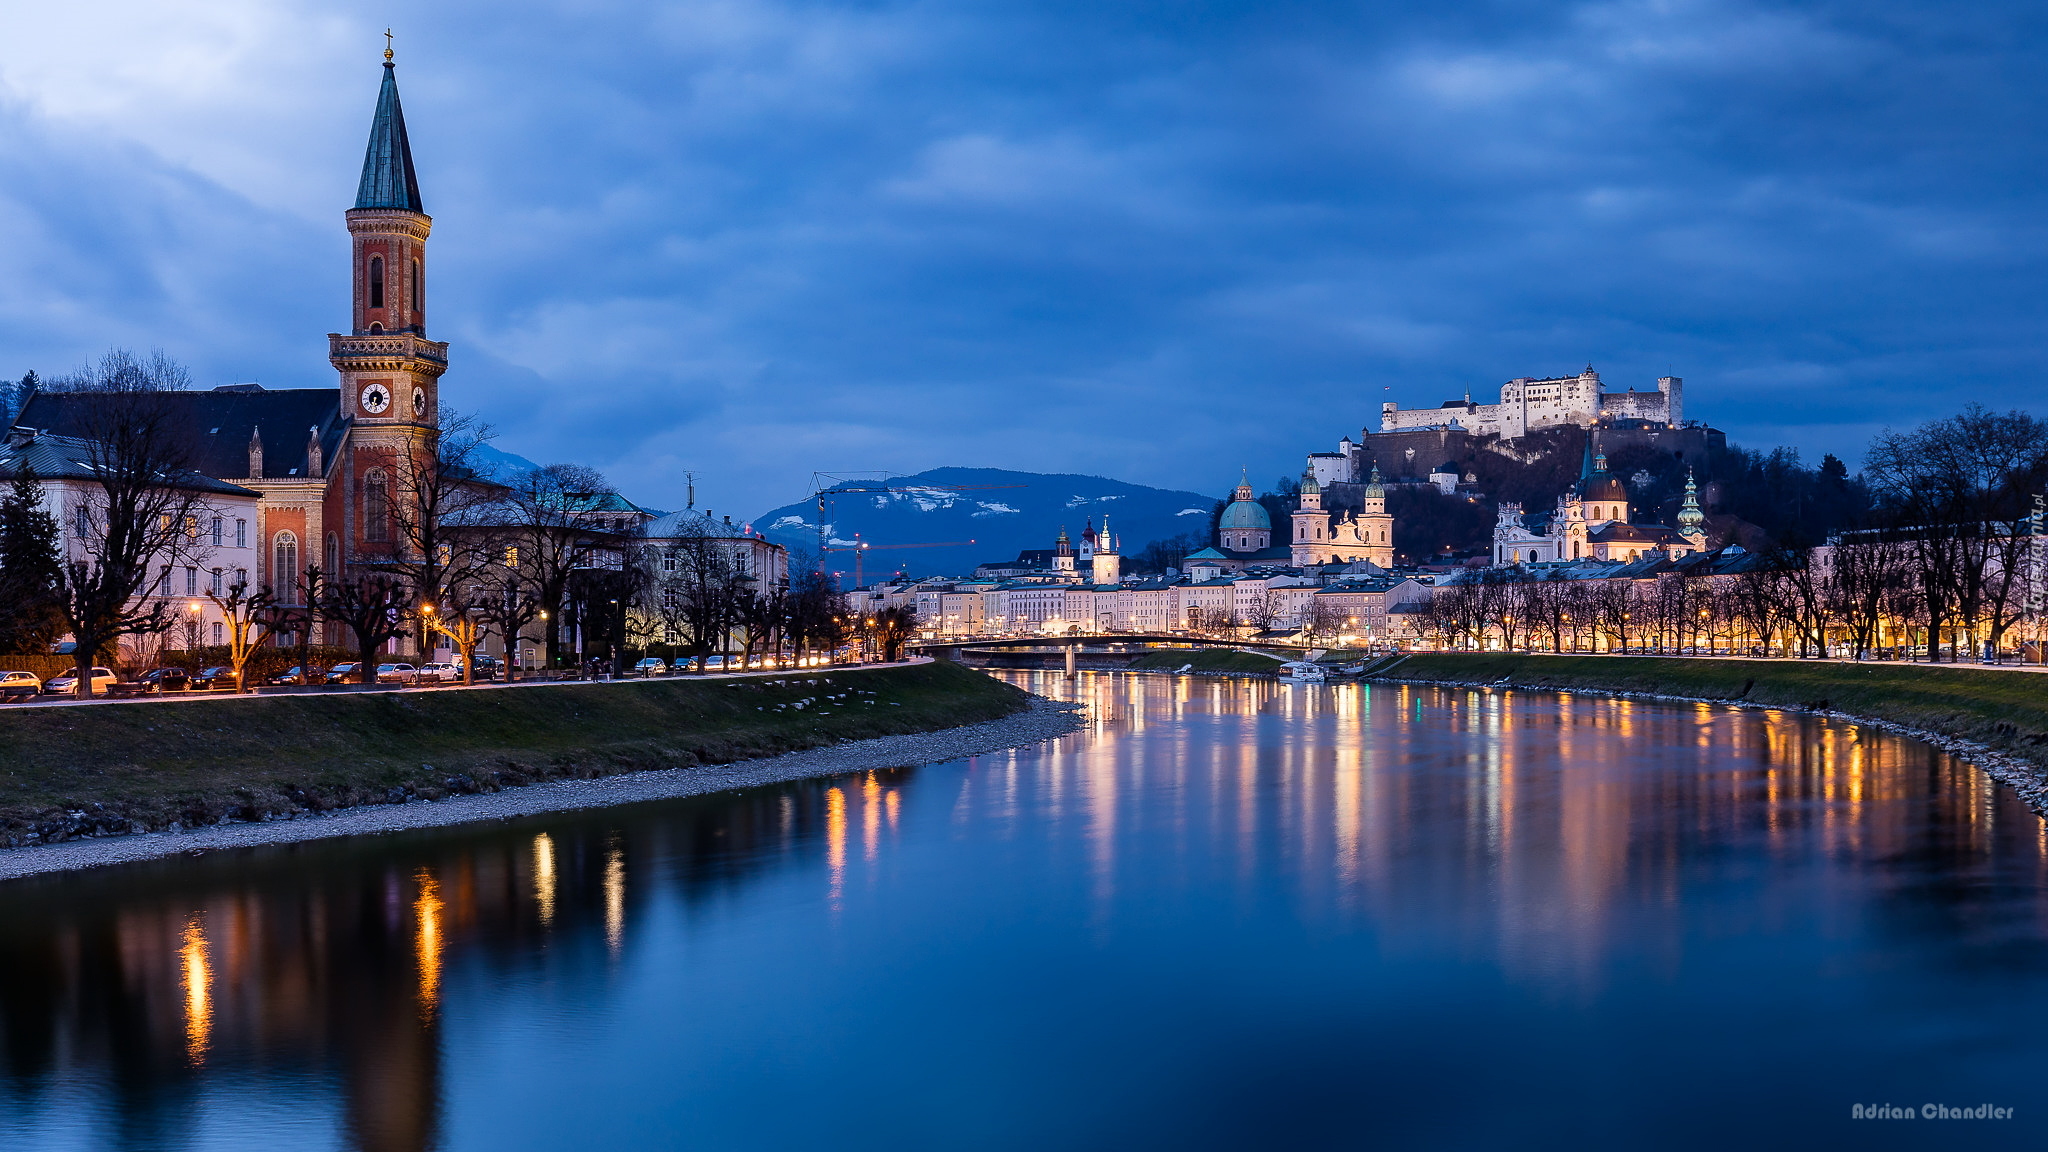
[(284, 570), (416, 295), (376, 284), (376, 507), (333, 556)]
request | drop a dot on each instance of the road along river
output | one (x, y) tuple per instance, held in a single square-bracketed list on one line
[(1228, 914)]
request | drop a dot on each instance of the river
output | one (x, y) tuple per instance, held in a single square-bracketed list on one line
[(1228, 915)]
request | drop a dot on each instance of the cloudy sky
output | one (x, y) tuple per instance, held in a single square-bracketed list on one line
[(1155, 241)]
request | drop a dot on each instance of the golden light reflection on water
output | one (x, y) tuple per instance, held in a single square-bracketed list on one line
[(197, 974), (614, 896), (871, 817), (835, 844), (426, 909), (1567, 811), (544, 878)]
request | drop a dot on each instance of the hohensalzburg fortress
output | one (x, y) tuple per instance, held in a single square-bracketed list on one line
[(1527, 404)]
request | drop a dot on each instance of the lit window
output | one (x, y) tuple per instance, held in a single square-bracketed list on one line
[(512, 557)]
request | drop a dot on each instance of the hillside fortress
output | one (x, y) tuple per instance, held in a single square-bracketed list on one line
[(1527, 404)]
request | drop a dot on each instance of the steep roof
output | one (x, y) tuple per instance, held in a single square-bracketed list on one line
[(223, 420), (388, 178), (70, 458)]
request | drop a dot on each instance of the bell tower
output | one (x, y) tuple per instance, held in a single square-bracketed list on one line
[(390, 371)]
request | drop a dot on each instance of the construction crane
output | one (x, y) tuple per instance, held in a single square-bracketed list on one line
[(860, 548), (826, 486)]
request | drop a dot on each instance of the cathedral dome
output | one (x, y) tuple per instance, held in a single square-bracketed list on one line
[(1247, 514), (1606, 486)]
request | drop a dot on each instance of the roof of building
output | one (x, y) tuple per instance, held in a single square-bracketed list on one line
[(55, 457), (388, 177), (222, 421), (1246, 515)]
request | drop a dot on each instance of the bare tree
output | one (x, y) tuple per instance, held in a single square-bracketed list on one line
[(373, 609), (439, 507), (143, 504), (557, 520), (247, 614)]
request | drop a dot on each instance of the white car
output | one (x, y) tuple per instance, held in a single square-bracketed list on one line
[(445, 673), (397, 674), (68, 683), (652, 666)]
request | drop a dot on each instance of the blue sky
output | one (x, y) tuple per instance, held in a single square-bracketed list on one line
[(1152, 241)]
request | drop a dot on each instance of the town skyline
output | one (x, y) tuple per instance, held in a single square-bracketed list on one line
[(670, 304)]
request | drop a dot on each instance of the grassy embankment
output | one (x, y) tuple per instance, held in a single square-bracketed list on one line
[(152, 765), (2006, 710), (1206, 660)]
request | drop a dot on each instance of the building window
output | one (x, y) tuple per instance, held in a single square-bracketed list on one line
[(376, 284), (192, 527), (191, 581), (214, 531), (81, 520), (217, 637), (241, 577), (376, 508), (284, 569), (333, 560), (217, 589), (417, 295), (241, 533), (163, 582), (512, 557)]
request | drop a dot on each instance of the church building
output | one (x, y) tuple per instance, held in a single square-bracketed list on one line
[(333, 465), (1592, 522)]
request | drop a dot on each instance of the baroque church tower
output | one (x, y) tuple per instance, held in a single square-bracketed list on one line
[(390, 371)]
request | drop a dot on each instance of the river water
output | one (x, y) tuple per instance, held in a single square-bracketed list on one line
[(1229, 915)]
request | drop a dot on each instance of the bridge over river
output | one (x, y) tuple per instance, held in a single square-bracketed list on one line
[(1119, 645)]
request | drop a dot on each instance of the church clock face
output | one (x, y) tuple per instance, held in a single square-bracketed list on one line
[(419, 403), (376, 399)]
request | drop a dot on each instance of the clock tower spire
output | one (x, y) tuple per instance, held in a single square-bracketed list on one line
[(390, 371)]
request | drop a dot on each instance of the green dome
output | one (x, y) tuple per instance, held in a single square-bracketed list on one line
[(1244, 514)]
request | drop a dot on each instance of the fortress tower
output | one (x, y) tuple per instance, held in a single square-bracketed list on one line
[(390, 371)]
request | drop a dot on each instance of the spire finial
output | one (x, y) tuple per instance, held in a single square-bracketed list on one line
[(387, 45)]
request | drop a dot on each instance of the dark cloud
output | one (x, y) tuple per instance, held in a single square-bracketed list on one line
[(1155, 241)]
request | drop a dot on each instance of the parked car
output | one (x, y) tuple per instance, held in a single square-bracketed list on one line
[(489, 667), (68, 682), (651, 667), (218, 676), (19, 685), (343, 673), (446, 673), (165, 679), (292, 675), (714, 663), (397, 674)]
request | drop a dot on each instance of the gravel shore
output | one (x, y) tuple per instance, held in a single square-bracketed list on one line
[(1044, 720)]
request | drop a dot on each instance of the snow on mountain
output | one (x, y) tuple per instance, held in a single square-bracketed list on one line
[(1003, 512)]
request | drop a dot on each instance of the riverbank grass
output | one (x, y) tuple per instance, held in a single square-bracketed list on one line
[(151, 765), (2005, 710)]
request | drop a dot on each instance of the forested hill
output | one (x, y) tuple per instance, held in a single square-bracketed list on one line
[(1003, 512)]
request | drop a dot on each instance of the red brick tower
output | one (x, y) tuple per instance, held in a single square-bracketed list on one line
[(389, 369)]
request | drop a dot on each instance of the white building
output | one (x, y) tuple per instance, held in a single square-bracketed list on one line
[(1527, 404)]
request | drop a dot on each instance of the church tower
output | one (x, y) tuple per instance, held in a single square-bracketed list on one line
[(1692, 521), (1063, 554), (1108, 565), (1375, 526), (389, 369), (1311, 543)]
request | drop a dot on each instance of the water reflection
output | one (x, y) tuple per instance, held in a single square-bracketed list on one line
[(1579, 850)]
